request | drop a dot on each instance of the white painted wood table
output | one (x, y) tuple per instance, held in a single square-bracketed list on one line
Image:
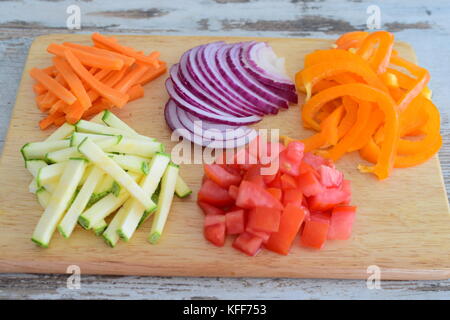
[(424, 24)]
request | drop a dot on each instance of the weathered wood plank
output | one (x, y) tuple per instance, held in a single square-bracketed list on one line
[(412, 21)]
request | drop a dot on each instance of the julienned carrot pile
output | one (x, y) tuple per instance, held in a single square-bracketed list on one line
[(362, 96), (85, 80)]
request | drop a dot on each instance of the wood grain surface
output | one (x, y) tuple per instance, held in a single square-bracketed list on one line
[(399, 228), (423, 24)]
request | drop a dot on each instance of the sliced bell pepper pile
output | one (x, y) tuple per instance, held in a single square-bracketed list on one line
[(362, 96)]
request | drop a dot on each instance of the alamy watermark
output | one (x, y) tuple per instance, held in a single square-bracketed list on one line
[(374, 279), (373, 21), (73, 21), (74, 280)]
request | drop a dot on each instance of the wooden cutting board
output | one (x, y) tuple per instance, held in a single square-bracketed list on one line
[(402, 224)]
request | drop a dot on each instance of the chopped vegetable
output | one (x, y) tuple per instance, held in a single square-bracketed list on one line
[(270, 210), (363, 96), (86, 80), (78, 177)]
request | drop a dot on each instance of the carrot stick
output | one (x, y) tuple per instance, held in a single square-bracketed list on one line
[(131, 78), (112, 45), (152, 74), (39, 89), (87, 58), (50, 70), (53, 86), (135, 92), (58, 106), (59, 121), (73, 81), (97, 107), (49, 120), (115, 97), (127, 61)]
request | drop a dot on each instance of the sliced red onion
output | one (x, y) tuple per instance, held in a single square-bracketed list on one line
[(246, 78), (225, 137), (239, 86), (262, 62), (219, 117), (208, 66), (200, 88)]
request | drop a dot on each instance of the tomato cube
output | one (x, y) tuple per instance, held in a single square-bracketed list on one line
[(314, 234), (291, 220), (263, 235), (209, 209), (214, 194), (276, 193), (215, 234), (252, 195), (316, 161), (294, 151), (341, 222), (276, 181), (221, 176), (328, 199), (288, 182), (321, 217), (330, 177), (212, 219), (264, 219), (293, 196), (235, 222), (247, 243), (309, 184), (233, 191), (253, 174)]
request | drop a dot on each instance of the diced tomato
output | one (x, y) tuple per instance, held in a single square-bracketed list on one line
[(235, 222), (247, 243), (330, 177), (304, 168), (321, 217), (214, 194), (268, 178), (288, 182), (276, 193), (289, 166), (252, 195), (264, 219), (347, 189), (328, 199), (233, 191), (294, 151), (309, 184), (316, 161), (341, 223), (212, 219), (291, 220), (276, 181), (253, 174), (314, 234), (293, 196), (264, 151), (215, 234), (221, 176), (261, 234), (244, 159), (209, 209)]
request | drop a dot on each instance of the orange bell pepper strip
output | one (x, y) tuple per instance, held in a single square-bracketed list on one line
[(416, 151), (422, 75), (351, 40), (350, 107), (313, 74), (367, 93), (362, 119), (320, 56), (376, 119), (377, 49)]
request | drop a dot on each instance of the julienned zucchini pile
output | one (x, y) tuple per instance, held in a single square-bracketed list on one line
[(85, 172)]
